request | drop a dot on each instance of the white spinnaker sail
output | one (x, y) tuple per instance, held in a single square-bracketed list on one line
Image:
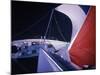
[(77, 16)]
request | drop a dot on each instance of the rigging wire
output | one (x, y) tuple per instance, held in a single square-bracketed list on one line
[(49, 23), (42, 18), (59, 30)]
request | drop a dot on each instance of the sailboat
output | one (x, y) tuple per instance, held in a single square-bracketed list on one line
[(56, 55)]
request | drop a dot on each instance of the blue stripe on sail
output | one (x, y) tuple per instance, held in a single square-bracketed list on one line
[(85, 8)]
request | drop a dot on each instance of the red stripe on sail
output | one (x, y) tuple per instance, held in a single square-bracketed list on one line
[(83, 49)]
